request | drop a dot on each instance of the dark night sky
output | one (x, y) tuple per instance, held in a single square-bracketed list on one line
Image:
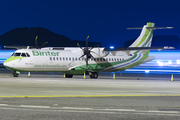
[(104, 20)]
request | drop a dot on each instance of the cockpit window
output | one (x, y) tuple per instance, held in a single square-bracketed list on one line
[(12, 54), (23, 55), (17, 54), (27, 55)]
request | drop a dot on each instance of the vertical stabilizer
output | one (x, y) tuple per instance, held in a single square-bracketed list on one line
[(145, 38)]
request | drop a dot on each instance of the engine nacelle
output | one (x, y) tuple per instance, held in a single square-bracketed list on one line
[(98, 52)]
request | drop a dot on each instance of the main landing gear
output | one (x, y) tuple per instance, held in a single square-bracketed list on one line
[(68, 76), (15, 74), (93, 75)]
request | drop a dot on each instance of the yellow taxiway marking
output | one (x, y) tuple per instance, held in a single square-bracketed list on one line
[(4, 76), (46, 96)]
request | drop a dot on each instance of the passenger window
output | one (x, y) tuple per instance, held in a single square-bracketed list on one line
[(27, 55), (53, 58), (23, 55), (72, 58), (66, 58), (50, 58), (57, 58), (17, 54), (109, 59), (69, 58), (60, 58), (112, 59), (117, 59), (63, 58), (76, 58), (106, 59)]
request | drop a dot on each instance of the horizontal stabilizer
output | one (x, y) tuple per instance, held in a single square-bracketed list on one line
[(151, 28)]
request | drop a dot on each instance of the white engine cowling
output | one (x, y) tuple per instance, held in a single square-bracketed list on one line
[(98, 52)]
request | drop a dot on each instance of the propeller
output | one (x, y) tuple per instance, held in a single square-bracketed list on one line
[(87, 52), (37, 44)]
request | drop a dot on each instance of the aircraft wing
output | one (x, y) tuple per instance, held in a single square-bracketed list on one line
[(16, 47), (137, 48), (21, 47)]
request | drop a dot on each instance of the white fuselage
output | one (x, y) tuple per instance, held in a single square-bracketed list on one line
[(59, 60)]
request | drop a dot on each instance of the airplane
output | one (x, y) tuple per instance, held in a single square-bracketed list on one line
[(85, 60)]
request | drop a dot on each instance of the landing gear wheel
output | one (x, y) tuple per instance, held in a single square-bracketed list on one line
[(94, 75), (15, 74), (68, 76)]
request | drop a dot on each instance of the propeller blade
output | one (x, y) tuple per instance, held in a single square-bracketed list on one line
[(87, 42), (82, 56), (92, 56), (87, 63), (44, 44), (36, 42), (79, 46), (94, 47)]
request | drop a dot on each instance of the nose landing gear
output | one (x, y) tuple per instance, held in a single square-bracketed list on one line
[(15, 74)]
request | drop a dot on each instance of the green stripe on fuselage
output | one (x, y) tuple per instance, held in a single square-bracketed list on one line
[(12, 58), (146, 34)]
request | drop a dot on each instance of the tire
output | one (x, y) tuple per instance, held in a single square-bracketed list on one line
[(15, 74), (68, 76), (94, 75)]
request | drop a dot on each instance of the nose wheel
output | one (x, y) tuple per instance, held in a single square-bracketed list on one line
[(15, 74)]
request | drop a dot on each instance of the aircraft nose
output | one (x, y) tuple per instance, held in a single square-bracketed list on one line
[(8, 63)]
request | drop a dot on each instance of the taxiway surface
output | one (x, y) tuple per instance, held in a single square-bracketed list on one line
[(50, 96)]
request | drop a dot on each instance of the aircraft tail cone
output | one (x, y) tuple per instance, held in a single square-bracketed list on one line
[(114, 76), (172, 78), (84, 75), (29, 75)]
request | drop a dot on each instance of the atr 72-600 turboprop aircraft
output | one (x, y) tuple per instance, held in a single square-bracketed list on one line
[(85, 60)]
